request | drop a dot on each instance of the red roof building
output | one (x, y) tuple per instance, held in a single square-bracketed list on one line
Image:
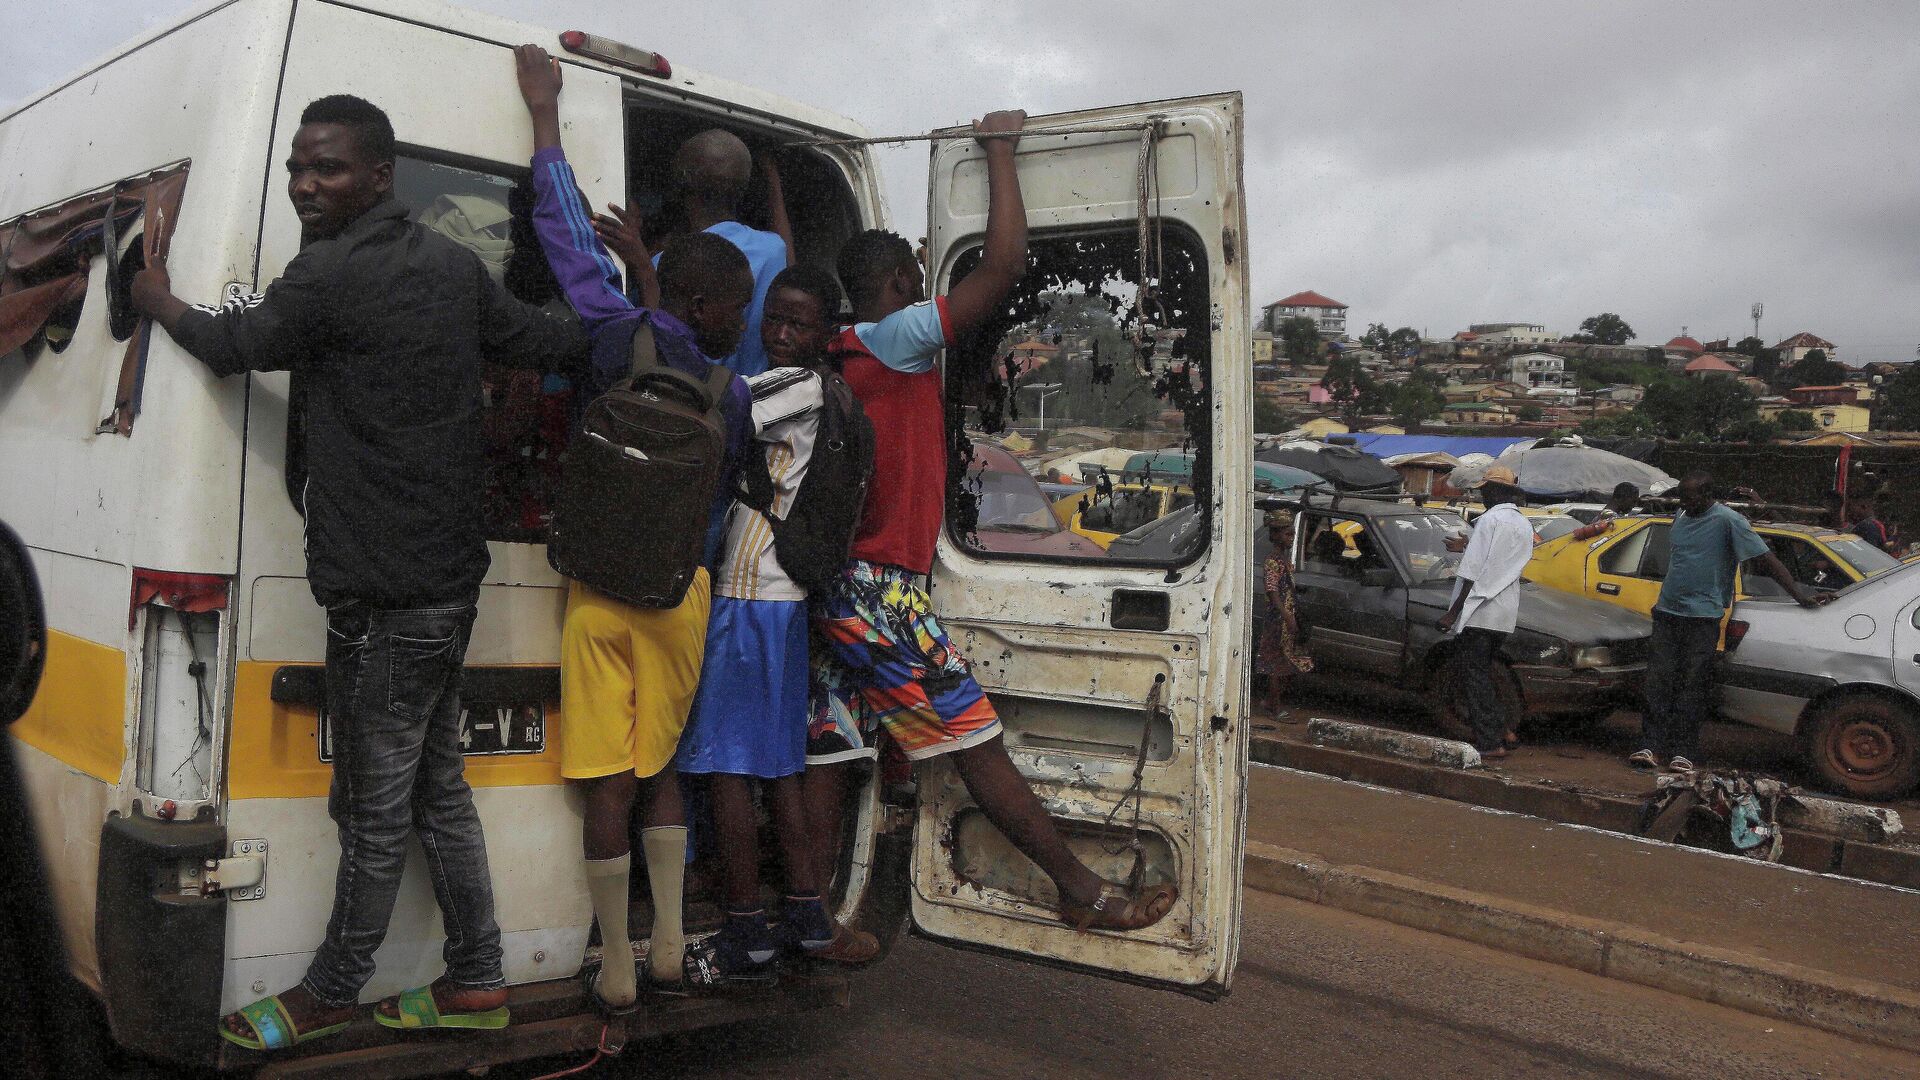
[(1710, 365), (1329, 314), (1685, 344)]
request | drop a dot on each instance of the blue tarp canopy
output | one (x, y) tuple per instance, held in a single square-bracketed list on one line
[(1457, 445)]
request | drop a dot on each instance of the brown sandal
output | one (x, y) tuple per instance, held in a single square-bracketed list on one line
[(1115, 910)]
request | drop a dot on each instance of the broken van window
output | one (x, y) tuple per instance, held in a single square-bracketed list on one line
[(46, 260), (1078, 420)]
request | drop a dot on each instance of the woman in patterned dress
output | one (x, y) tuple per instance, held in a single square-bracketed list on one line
[(1280, 654)]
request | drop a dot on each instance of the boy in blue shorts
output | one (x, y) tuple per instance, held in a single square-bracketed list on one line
[(750, 716)]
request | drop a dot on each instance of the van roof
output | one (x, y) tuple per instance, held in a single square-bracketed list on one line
[(685, 81)]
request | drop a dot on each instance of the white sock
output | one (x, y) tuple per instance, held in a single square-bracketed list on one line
[(666, 853), (607, 885)]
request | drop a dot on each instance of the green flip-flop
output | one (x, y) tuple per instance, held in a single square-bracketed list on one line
[(273, 1027), (418, 1012)]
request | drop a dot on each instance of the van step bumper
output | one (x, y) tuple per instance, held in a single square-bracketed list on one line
[(161, 950)]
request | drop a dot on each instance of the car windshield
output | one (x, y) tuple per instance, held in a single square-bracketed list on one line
[(1420, 541), (1860, 555), (1012, 503)]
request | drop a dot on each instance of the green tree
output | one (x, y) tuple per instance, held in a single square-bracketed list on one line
[(1750, 345), (1902, 396), (1700, 408), (1605, 328), (1755, 431), (1300, 341), (1531, 413), (1271, 419), (1415, 401), (1350, 387), (1796, 420), (1814, 369)]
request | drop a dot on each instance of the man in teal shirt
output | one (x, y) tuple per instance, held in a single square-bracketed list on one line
[(1708, 542)]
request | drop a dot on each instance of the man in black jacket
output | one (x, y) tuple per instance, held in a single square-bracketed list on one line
[(383, 324)]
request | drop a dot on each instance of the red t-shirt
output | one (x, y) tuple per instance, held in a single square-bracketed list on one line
[(889, 366)]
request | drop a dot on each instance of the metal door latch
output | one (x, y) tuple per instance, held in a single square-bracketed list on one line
[(240, 876)]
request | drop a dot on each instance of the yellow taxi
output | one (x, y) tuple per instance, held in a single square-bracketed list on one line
[(1626, 564), (1100, 518)]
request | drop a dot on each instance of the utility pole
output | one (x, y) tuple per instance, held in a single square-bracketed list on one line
[(1758, 307)]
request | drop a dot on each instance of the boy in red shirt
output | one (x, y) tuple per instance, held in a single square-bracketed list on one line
[(888, 662)]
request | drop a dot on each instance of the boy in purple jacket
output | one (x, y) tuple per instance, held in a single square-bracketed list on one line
[(627, 674)]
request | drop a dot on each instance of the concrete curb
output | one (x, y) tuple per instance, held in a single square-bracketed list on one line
[(1855, 1008), (1386, 742)]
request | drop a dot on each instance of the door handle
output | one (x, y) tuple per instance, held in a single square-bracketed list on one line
[(1609, 588)]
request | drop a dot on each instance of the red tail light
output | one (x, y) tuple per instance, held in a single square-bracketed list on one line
[(613, 52), (182, 592), (1736, 633)]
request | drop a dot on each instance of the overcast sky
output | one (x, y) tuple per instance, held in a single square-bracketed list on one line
[(1430, 164)]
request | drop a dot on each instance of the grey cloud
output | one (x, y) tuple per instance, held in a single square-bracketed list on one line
[(1432, 164)]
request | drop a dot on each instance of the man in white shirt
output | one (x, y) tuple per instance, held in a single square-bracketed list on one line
[(1486, 606)]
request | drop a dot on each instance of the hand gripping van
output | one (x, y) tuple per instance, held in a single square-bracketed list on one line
[(177, 753)]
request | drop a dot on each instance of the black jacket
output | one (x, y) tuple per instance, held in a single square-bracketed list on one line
[(385, 328)]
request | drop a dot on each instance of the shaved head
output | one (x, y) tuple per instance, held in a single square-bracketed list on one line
[(713, 166)]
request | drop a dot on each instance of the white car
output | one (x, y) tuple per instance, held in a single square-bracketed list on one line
[(1844, 679)]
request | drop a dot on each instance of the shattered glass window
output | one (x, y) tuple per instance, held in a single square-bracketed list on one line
[(1090, 394)]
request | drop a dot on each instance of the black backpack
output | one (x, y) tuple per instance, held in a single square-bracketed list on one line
[(638, 482), (812, 543)]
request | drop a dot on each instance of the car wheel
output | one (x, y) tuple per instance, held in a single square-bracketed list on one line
[(1452, 710), (1866, 747)]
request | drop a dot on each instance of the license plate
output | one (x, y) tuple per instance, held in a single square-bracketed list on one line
[(487, 729)]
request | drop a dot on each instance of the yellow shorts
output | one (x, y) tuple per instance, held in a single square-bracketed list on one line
[(627, 679)]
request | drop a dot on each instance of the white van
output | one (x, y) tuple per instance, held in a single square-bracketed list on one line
[(177, 753)]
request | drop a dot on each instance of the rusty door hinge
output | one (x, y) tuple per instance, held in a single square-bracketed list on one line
[(242, 875)]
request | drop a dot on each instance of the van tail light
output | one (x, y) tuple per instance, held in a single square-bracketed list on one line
[(580, 43), (1736, 633), (178, 620)]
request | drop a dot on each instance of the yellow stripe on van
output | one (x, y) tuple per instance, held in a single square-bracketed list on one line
[(79, 714), (273, 749)]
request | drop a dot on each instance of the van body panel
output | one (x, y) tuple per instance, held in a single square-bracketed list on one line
[(1072, 688), (540, 894)]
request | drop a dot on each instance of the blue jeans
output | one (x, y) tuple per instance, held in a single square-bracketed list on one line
[(393, 693), (1679, 684)]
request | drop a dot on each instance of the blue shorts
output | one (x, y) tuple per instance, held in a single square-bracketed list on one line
[(750, 714)]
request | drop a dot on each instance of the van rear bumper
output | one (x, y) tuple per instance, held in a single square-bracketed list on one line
[(162, 952)]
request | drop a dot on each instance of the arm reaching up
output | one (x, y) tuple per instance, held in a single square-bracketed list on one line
[(1004, 255)]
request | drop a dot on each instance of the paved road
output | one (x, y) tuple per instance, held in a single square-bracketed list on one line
[(1319, 993)]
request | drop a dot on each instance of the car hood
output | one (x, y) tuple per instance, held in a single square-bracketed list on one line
[(1578, 619)]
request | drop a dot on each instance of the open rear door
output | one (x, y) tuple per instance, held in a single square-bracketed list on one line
[(1120, 670)]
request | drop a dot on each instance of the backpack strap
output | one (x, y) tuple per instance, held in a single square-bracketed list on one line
[(719, 381), (646, 355)]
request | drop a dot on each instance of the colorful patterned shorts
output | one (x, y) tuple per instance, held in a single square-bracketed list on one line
[(880, 659)]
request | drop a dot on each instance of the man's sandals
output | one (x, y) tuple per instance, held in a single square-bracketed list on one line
[(1117, 909), (273, 1027), (417, 1010)]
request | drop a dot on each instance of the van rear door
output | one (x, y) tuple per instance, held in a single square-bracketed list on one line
[(1121, 681)]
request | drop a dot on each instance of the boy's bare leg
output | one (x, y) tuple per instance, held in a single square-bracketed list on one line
[(1004, 795), (739, 841), (824, 791), (790, 820)]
